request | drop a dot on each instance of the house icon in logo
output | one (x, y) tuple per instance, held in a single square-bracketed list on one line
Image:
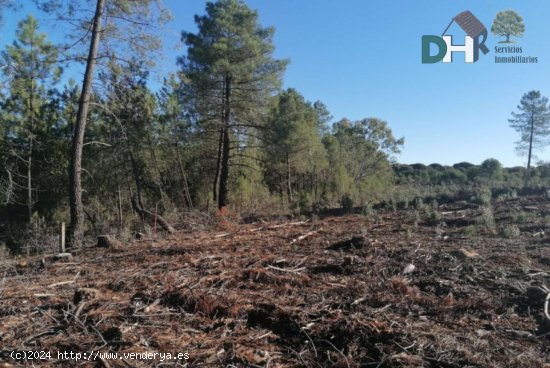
[(474, 41)]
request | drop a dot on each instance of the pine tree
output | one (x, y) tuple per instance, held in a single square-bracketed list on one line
[(32, 73), (532, 122), (230, 74), (108, 29), (175, 126)]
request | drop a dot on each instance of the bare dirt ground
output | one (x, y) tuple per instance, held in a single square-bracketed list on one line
[(334, 292)]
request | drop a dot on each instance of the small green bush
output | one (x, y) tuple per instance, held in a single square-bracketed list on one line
[(510, 231), (483, 196), (523, 217), (347, 203), (418, 204), (487, 219), (470, 231), (367, 210), (304, 204)]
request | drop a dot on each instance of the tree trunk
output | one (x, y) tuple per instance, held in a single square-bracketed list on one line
[(75, 183), (119, 208), (29, 180), (135, 174), (29, 154), (185, 185), (224, 172), (531, 133), (288, 180), (218, 163), (158, 173)]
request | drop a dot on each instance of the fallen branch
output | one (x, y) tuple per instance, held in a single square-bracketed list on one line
[(61, 283), (546, 302), (222, 235), (294, 270), (302, 237), (152, 217)]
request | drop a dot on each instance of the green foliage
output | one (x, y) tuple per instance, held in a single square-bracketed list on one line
[(508, 23), (510, 231), (346, 203), (293, 156), (28, 119), (367, 210), (220, 120), (470, 231), (491, 169), (434, 215), (487, 218), (419, 204), (229, 74), (372, 144), (360, 154), (522, 217), (304, 204), (484, 196)]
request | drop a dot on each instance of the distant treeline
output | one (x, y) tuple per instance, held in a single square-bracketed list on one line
[(489, 172)]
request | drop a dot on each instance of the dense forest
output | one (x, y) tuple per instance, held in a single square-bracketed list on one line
[(106, 153)]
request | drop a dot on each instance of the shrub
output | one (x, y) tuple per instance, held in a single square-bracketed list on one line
[(435, 215), (487, 219), (470, 231), (367, 210), (522, 217), (416, 218), (347, 203), (483, 196), (510, 231), (304, 204), (418, 204)]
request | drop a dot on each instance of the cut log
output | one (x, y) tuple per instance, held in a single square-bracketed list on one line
[(151, 217), (106, 241), (63, 257)]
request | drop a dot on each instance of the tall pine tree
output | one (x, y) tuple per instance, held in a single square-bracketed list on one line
[(532, 122), (230, 73)]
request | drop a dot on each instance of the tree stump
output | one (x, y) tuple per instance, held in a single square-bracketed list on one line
[(106, 241)]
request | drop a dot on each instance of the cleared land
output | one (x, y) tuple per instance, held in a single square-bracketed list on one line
[(334, 292)]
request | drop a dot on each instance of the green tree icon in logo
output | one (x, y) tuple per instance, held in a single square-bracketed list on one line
[(508, 23)]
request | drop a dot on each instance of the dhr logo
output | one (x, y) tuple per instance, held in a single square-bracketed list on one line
[(474, 41)]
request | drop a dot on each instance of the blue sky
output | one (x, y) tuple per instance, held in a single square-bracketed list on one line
[(363, 59)]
